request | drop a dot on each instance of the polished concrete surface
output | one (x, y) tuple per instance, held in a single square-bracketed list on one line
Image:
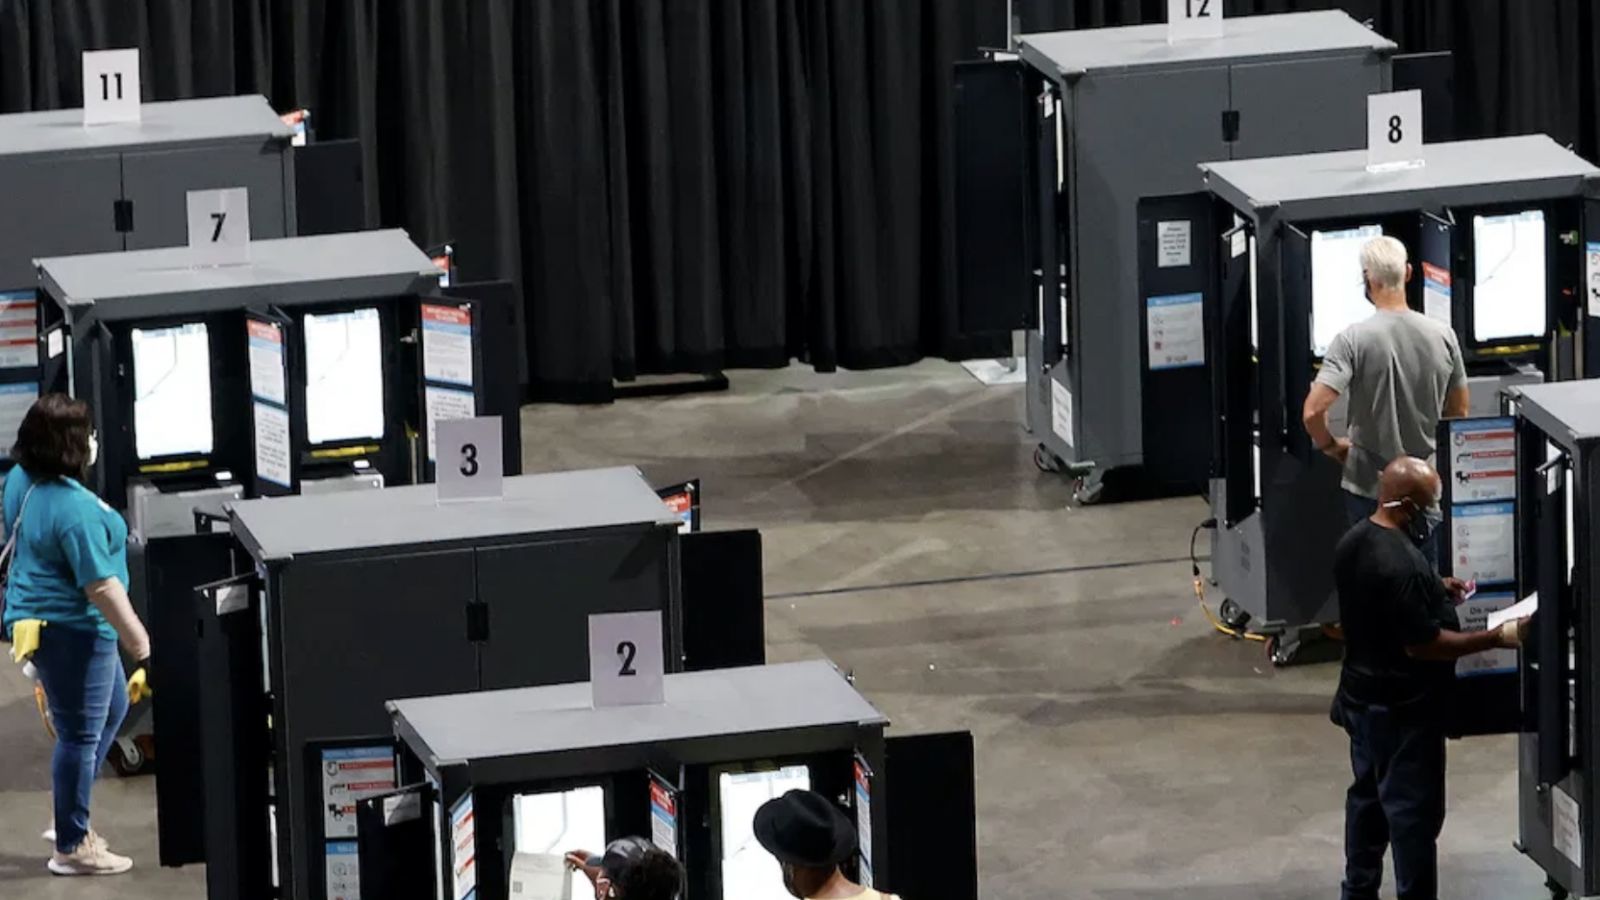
[(1126, 751)]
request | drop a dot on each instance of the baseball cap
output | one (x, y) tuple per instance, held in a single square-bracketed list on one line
[(619, 855)]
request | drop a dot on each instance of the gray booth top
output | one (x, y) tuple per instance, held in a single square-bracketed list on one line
[(285, 272), (1463, 173), (282, 528), (1562, 409), (177, 123), (551, 732), (1073, 53)]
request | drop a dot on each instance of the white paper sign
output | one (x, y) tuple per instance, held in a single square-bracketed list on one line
[(1173, 244), (539, 876), (663, 818), (1394, 130), (626, 662), (110, 86), (1061, 411), (1436, 295), (1194, 20), (444, 404), (470, 466), (272, 445), (348, 776), (219, 226), (1175, 331), (863, 805), (1483, 542), (343, 871), (1483, 460), (447, 344), (1566, 833), (1592, 276), (1474, 614), (266, 361), (19, 330)]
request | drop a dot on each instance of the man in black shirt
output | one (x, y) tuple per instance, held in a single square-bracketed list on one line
[(1402, 638)]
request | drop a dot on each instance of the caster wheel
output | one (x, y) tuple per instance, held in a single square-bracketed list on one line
[(1089, 491), (1045, 461), (1557, 892), (1233, 616), (1282, 652), (126, 757)]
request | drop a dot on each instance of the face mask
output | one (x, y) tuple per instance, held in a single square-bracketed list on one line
[(94, 449), (1421, 524)]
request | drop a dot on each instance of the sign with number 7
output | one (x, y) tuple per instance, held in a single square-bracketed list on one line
[(219, 226)]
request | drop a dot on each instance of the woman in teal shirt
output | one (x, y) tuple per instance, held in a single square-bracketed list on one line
[(69, 572)]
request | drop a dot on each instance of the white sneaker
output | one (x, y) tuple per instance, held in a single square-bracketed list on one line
[(49, 835), (92, 857)]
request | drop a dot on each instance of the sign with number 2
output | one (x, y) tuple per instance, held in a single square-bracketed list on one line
[(626, 660)]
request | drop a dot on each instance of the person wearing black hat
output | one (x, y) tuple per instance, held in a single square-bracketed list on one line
[(631, 869), (810, 837)]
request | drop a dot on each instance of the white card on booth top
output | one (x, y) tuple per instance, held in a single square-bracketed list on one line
[(219, 226), (626, 662), (1394, 130), (110, 86), (1194, 20), (470, 465)]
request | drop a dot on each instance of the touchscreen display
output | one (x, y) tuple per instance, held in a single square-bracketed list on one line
[(172, 391), (561, 822), (1338, 291), (748, 870), (344, 377), (1509, 292)]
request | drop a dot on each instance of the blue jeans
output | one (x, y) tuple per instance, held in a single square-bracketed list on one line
[(1357, 507), (87, 691), (1396, 801)]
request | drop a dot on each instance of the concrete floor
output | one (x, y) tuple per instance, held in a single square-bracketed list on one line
[(1125, 750)]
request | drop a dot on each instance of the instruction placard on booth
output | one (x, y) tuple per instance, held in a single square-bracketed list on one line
[(1483, 460), (447, 344), (1175, 331), (1483, 542)]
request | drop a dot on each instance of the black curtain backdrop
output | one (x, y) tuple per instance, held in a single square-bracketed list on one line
[(691, 185)]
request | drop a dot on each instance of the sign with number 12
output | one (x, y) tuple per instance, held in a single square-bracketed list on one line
[(1194, 20)]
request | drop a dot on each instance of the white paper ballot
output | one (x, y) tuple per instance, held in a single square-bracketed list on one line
[(540, 876), (1512, 613)]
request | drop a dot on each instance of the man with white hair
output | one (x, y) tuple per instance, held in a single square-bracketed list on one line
[(1400, 371)]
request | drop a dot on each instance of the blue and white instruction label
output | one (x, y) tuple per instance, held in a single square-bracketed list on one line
[(1175, 331), (1483, 542)]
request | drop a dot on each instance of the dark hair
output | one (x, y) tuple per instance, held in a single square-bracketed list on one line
[(53, 440), (653, 876)]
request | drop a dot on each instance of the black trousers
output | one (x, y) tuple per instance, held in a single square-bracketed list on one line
[(1396, 800)]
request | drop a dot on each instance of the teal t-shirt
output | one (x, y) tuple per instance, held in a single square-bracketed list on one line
[(69, 539)]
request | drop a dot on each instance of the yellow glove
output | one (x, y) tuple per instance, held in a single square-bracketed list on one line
[(139, 683), (25, 639)]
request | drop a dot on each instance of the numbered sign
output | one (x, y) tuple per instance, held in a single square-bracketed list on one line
[(1194, 20), (219, 226), (469, 464), (1394, 131), (626, 662), (110, 86)]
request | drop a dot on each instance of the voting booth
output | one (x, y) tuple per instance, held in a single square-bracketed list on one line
[(73, 188), (1066, 161), (1490, 228), (1558, 469), (499, 784), (336, 603), (311, 363)]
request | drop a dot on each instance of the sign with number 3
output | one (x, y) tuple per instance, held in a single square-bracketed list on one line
[(469, 464)]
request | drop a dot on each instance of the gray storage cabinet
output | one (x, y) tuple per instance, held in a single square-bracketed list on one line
[(1135, 116), (70, 188), (370, 596), (1277, 504)]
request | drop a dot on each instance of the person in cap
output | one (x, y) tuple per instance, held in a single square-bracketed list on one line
[(810, 838), (631, 869)]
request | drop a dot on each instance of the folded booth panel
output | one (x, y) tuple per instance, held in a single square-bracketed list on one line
[(994, 115), (932, 803), (397, 853)]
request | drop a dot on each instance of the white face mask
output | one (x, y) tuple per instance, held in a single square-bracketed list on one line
[(94, 448)]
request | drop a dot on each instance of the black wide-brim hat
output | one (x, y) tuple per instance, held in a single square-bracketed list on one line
[(802, 828)]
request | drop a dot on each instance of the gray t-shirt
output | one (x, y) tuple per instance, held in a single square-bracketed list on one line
[(1395, 370)]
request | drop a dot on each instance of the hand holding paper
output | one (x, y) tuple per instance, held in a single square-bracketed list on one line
[(1514, 612), (540, 876)]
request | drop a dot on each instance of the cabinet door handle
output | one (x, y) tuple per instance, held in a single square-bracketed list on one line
[(477, 622)]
